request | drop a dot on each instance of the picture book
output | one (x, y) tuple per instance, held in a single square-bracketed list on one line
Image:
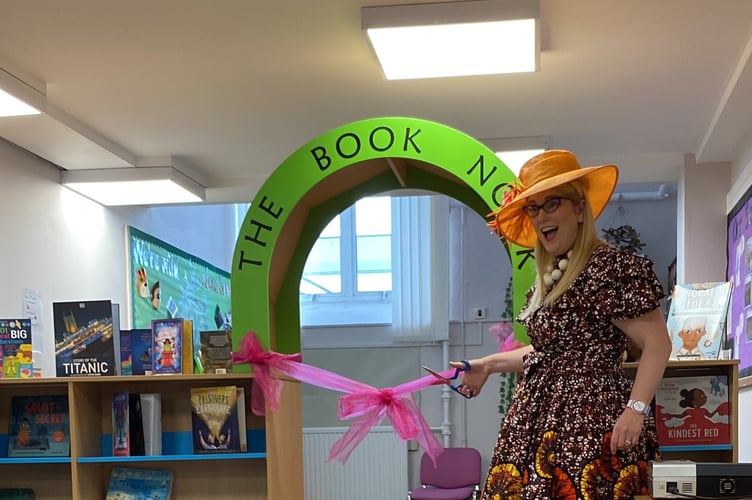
[(15, 348), (167, 344), (139, 484), (697, 320), (215, 351), (127, 425), (216, 421), (693, 411), (39, 426), (17, 494), (84, 338), (135, 351)]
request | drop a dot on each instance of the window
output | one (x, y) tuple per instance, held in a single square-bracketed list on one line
[(381, 261)]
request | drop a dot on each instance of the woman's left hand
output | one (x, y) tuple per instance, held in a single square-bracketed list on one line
[(627, 430)]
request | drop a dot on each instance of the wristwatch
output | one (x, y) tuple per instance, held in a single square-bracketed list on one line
[(639, 407)]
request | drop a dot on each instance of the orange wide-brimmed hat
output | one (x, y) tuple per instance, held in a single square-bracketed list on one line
[(541, 173)]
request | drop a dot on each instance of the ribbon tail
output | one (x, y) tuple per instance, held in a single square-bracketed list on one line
[(358, 430), (265, 391)]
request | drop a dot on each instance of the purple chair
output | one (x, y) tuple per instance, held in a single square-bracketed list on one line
[(455, 477)]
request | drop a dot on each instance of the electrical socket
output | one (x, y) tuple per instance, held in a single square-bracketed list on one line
[(479, 313)]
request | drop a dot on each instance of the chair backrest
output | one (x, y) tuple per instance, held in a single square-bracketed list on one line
[(455, 468)]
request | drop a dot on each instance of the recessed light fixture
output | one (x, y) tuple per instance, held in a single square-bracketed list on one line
[(11, 106), (515, 151), (476, 37), (134, 186)]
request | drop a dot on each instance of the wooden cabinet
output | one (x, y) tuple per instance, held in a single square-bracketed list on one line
[(256, 474), (706, 453)]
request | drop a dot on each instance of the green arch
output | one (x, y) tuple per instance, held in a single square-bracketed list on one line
[(327, 175)]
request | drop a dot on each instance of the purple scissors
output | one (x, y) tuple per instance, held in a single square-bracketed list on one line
[(448, 380)]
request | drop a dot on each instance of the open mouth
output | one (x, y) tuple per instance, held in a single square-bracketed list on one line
[(549, 233)]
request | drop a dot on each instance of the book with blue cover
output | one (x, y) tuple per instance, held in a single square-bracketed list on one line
[(135, 351), (39, 426), (139, 484), (17, 494)]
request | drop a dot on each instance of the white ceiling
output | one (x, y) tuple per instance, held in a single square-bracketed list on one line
[(228, 89)]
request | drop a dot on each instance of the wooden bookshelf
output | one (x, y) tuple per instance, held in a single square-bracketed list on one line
[(709, 453), (256, 474)]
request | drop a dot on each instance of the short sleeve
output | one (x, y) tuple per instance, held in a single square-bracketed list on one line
[(623, 286)]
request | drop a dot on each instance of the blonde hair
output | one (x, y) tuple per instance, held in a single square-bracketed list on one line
[(587, 240)]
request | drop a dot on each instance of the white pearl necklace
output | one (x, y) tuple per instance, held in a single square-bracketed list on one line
[(552, 275)]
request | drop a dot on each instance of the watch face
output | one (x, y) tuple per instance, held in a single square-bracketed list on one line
[(638, 406)]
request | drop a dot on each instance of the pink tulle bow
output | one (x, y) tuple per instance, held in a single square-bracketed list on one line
[(266, 388)]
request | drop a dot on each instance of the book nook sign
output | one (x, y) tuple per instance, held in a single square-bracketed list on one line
[(324, 177)]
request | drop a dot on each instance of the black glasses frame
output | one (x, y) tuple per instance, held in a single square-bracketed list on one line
[(548, 206)]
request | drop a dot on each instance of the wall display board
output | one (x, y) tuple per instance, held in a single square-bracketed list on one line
[(166, 282), (739, 272)]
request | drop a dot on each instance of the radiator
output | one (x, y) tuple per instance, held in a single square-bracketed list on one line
[(376, 469)]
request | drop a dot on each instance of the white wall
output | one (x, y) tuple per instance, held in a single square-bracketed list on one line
[(67, 247)]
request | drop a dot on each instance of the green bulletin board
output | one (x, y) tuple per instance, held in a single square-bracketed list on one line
[(166, 282)]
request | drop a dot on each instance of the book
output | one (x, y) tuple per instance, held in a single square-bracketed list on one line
[(84, 338), (135, 351), (215, 351), (17, 494), (187, 347), (139, 484), (167, 344), (16, 359), (693, 410), (151, 412), (39, 426), (127, 425), (697, 319), (216, 421)]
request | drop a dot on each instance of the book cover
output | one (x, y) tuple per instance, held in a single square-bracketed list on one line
[(167, 343), (136, 344), (139, 484), (121, 436), (84, 338), (697, 319), (17, 494), (215, 420), (216, 351), (39, 426), (693, 411), (151, 411), (15, 348)]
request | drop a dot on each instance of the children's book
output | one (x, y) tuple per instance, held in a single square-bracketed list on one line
[(127, 425), (139, 484), (216, 351), (15, 348), (693, 411), (84, 338), (136, 344), (17, 494), (697, 320), (39, 426), (216, 421), (167, 346)]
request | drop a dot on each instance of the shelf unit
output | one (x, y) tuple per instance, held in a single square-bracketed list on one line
[(706, 453), (85, 474)]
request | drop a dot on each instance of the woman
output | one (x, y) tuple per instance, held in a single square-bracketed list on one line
[(578, 426)]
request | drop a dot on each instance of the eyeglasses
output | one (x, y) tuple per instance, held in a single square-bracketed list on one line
[(548, 206)]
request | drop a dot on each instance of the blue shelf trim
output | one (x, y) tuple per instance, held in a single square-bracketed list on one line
[(176, 446), (699, 447)]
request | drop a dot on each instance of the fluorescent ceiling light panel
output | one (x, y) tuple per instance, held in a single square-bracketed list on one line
[(479, 37), (11, 106), (134, 186)]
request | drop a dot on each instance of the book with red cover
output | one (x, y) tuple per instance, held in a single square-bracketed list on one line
[(692, 411)]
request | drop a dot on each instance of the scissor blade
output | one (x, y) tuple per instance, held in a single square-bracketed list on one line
[(438, 375)]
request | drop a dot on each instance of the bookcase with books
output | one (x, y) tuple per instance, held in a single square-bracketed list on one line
[(253, 474), (683, 434)]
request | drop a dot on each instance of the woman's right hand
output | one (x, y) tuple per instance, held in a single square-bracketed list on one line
[(473, 379)]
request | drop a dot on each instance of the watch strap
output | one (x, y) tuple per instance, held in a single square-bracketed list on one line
[(635, 405)]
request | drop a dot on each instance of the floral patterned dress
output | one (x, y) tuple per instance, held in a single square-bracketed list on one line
[(555, 440)]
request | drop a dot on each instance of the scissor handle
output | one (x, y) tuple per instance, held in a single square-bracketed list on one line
[(465, 368)]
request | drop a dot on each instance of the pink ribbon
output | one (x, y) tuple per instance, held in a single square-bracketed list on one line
[(365, 405), (266, 389)]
